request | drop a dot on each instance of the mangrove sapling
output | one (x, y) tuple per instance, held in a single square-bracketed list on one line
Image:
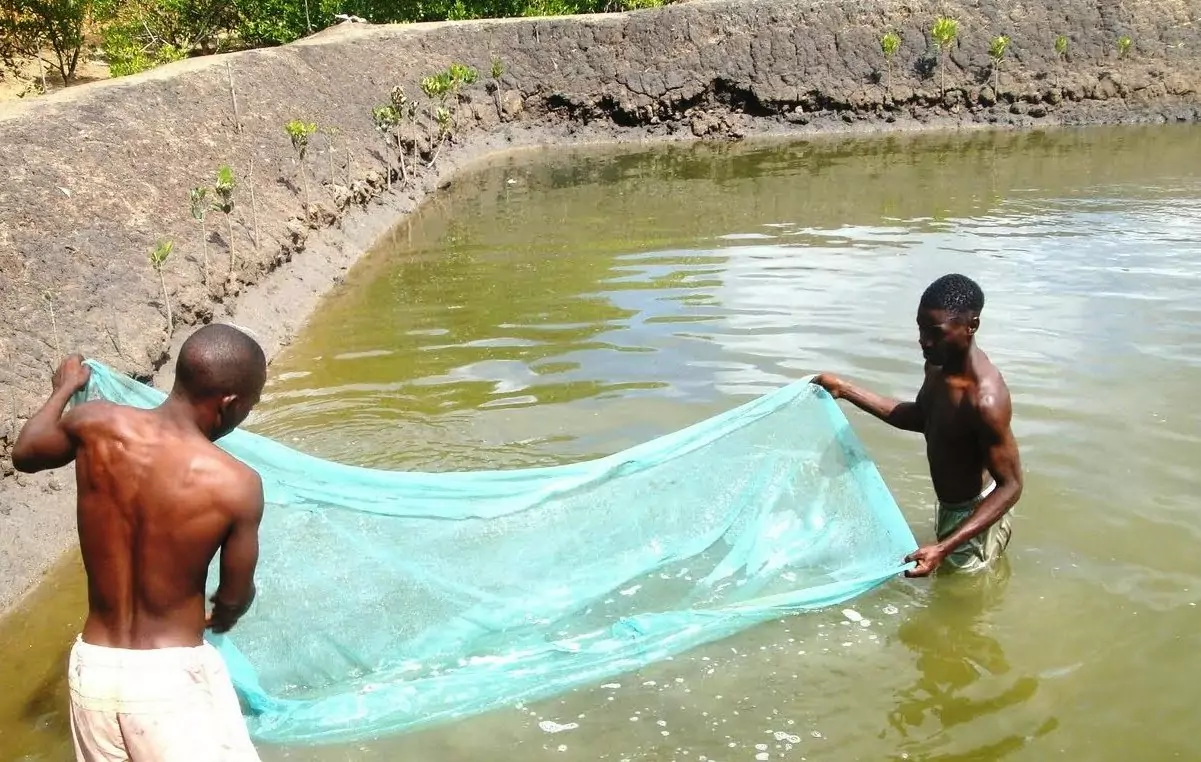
[(158, 257), (402, 109), (225, 204), (300, 132), (1061, 50), (197, 197), (890, 43), (1124, 44), (444, 120), (438, 88), (462, 75), (996, 51), (384, 118), (229, 69), (48, 295), (944, 32), (331, 134), (498, 71)]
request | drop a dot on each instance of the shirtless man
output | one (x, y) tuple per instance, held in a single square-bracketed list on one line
[(964, 411), (156, 501)]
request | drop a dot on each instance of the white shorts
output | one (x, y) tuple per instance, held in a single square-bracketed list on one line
[(175, 704)]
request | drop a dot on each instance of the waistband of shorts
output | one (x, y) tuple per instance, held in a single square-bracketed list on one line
[(967, 505), (171, 656)]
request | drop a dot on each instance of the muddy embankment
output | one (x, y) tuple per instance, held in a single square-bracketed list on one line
[(94, 176)]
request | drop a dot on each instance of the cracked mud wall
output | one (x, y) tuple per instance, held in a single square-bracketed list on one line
[(95, 175)]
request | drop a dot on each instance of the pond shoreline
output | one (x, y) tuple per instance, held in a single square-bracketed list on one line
[(99, 173)]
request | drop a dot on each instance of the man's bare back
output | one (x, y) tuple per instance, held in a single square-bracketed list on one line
[(964, 411), (156, 502)]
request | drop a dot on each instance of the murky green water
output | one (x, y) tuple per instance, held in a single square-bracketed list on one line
[(563, 306)]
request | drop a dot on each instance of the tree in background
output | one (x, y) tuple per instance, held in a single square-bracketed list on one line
[(141, 34), (28, 26)]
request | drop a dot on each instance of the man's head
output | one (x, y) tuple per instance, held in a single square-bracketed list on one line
[(947, 318), (220, 372)]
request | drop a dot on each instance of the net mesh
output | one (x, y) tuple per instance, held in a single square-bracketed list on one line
[(390, 600)]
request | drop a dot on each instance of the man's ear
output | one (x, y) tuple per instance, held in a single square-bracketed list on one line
[(226, 407), (973, 325)]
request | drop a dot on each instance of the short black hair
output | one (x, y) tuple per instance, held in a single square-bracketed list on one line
[(955, 294), (220, 360)]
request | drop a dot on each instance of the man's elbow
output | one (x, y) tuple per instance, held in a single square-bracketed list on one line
[(1013, 487), (26, 461)]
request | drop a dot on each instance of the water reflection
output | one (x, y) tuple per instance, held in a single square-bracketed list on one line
[(955, 655)]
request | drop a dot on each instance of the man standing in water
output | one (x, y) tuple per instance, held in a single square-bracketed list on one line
[(964, 410), (156, 501)]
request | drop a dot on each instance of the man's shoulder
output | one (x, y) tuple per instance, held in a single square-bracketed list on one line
[(991, 398), (236, 473), (244, 486), (232, 483), (99, 417)]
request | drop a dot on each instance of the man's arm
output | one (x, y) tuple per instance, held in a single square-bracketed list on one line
[(906, 416), (239, 557), (1003, 463), (46, 440)]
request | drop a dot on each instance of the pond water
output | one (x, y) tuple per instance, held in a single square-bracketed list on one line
[(559, 306)]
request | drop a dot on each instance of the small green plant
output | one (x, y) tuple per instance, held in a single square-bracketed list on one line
[(385, 118), (225, 204), (436, 85), (197, 198), (996, 51), (498, 71), (445, 122), (944, 31), (443, 84), (462, 75), (403, 109), (158, 258), (1061, 50), (300, 132), (438, 88), (890, 43), (1124, 44)]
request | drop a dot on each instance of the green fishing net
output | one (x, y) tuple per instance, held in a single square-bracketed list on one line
[(388, 600)]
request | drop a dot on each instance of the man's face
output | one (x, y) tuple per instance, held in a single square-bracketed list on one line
[(942, 334)]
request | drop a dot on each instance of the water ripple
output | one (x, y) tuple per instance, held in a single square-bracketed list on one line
[(603, 313)]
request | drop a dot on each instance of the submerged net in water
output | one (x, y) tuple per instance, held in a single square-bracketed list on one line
[(389, 600)]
